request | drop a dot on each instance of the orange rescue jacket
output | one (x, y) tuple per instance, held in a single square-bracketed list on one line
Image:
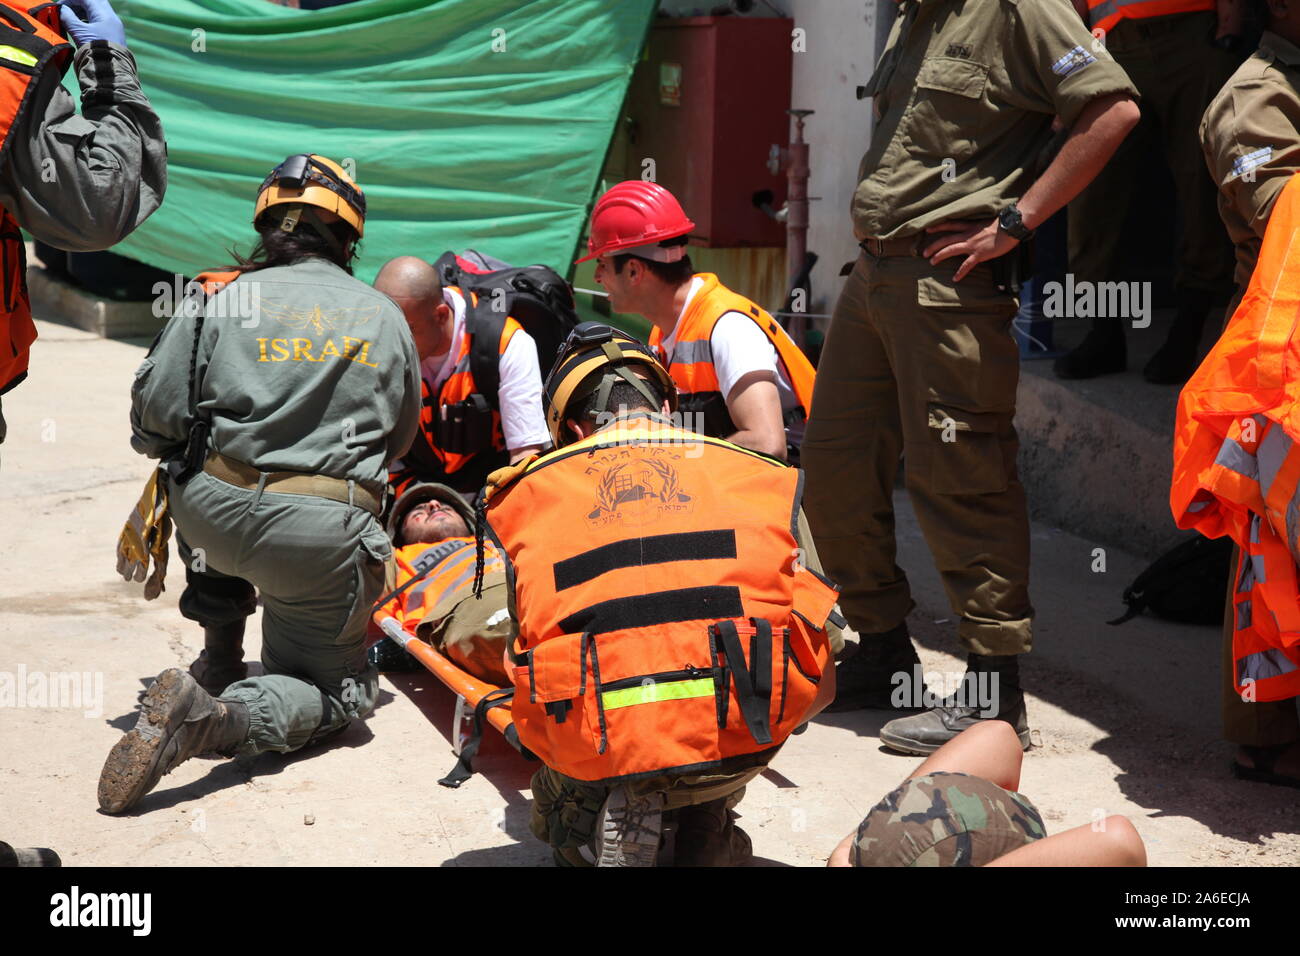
[(444, 568), (691, 364), (1236, 467), (665, 621), (1104, 14), (28, 43), (460, 439)]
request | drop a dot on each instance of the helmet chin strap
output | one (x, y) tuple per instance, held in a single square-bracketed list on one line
[(305, 214), (611, 377)]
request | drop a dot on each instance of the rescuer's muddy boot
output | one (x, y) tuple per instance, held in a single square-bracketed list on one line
[(990, 691), (869, 679), (23, 856), (707, 835), (178, 720), (628, 829), (221, 662)]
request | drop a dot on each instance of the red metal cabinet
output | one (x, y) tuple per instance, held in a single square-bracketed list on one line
[(706, 104)]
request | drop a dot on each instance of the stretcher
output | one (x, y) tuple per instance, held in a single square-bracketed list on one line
[(477, 702)]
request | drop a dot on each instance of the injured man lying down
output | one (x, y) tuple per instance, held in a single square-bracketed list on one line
[(432, 529)]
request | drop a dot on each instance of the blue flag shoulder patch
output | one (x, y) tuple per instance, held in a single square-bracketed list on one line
[(1252, 160), (1072, 62)]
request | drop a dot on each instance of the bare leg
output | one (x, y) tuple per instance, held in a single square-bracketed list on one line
[(1117, 843), (990, 749)]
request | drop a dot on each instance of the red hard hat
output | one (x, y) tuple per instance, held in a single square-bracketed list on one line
[(631, 214)]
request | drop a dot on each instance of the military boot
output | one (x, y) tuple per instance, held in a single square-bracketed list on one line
[(628, 829), (1102, 352), (867, 679), (990, 682), (178, 720), (707, 835), (23, 856), (1175, 361), (221, 662)]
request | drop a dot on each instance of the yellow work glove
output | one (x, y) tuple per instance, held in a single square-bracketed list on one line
[(144, 536)]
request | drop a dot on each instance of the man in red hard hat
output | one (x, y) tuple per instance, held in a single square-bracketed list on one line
[(739, 376)]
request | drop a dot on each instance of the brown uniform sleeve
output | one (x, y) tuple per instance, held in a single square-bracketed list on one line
[(1251, 140), (1053, 65)]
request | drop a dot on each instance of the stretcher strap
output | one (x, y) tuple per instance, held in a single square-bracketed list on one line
[(464, 768), (753, 682)]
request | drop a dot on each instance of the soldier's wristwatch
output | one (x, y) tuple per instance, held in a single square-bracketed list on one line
[(1009, 221)]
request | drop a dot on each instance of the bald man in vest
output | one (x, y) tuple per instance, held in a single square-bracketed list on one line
[(79, 182), (437, 317)]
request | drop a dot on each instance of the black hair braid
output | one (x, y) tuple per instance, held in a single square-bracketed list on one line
[(480, 522)]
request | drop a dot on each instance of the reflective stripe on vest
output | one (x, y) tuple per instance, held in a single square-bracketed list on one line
[(27, 46), (452, 574), (1104, 14), (691, 364), (662, 618)]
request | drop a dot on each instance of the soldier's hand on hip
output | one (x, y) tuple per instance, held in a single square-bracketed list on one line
[(978, 243)]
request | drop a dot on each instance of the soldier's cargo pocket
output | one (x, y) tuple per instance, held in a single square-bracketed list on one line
[(374, 558), (965, 452)]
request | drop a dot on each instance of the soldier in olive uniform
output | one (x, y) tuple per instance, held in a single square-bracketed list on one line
[(1170, 52), (1251, 137), (278, 407), (919, 361)]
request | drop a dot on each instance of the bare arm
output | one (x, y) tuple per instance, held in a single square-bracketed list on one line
[(755, 407), (1093, 139), (519, 454)]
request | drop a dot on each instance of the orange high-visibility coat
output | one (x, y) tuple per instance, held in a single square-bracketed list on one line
[(666, 623), (27, 45), (691, 364), (1236, 465), (1104, 14), (452, 563)]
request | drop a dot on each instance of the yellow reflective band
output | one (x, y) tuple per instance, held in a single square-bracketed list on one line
[(650, 692), (16, 55)]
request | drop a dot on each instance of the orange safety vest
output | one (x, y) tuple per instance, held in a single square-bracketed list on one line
[(1236, 465), (691, 364), (451, 565), (30, 39), (1104, 14), (457, 418), (666, 624)]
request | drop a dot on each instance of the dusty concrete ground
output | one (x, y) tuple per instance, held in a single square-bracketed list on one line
[(1126, 718)]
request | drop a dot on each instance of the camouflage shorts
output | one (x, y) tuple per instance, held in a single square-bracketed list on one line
[(945, 819)]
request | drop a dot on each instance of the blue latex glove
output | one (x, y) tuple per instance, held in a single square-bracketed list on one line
[(101, 22)]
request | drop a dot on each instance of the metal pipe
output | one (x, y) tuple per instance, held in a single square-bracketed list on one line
[(796, 226)]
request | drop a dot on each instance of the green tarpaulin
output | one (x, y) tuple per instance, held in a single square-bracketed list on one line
[(480, 123)]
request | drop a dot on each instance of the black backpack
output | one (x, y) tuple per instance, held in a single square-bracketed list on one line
[(1187, 584), (536, 296), (541, 301)]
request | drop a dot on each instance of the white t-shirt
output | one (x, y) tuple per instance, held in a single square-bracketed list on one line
[(520, 394), (739, 347)]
